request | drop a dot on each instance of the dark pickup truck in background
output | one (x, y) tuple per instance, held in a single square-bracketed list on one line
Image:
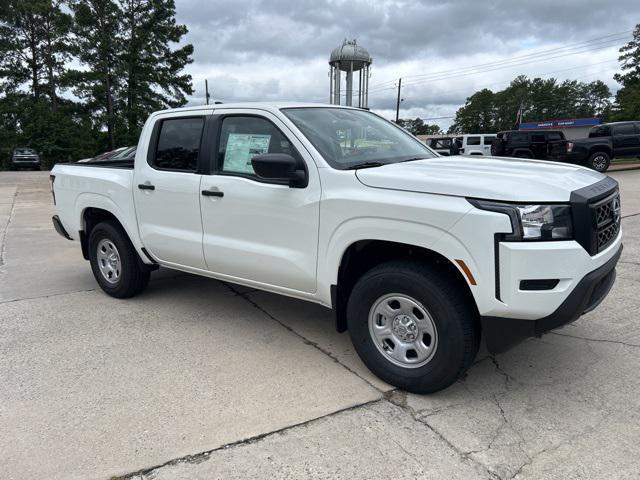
[(606, 141)]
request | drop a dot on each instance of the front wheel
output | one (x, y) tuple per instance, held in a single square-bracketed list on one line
[(599, 161), (114, 261), (413, 327)]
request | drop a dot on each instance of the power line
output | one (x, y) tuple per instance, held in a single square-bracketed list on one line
[(464, 74), (571, 46)]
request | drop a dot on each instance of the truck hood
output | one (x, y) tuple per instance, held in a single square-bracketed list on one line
[(493, 178)]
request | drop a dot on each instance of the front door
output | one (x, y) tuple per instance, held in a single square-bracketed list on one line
[(626, 139), (257, 230), (167, 192)]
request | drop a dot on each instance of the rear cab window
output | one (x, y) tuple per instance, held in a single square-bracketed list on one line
[(473, 140), (178, 144)]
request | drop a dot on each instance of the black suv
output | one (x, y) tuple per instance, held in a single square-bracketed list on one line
[(606, 141), (540, 144), (25, 158)]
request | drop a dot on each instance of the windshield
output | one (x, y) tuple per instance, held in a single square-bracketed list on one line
[(24, 151), (348, 138)]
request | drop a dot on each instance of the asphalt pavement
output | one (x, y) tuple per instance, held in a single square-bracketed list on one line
[(197, 379)]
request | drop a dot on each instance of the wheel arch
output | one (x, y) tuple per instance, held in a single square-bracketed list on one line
[(517, 151), (601, 148), (92, 208), (363, 255)]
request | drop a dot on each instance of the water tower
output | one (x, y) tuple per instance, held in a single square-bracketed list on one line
[(349, 57)]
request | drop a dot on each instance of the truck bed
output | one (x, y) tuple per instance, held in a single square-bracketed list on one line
[(104, 185), (126, 164)]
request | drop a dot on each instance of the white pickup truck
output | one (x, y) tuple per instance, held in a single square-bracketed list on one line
[(417, 254)]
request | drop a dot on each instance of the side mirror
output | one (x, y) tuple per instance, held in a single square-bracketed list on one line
[(279, 167)]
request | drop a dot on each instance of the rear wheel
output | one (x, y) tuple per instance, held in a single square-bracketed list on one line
[(414, 328), (599, 161), (114, 261)]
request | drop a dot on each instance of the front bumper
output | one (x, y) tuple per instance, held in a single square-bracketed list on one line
[(27, 162), (503, 333)]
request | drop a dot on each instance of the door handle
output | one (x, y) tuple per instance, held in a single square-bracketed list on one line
[(146, 186), (212, 193)]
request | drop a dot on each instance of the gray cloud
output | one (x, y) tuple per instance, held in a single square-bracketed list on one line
[(277, 49)]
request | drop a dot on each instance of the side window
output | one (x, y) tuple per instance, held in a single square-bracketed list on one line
[(518, 137), (626, 129), (179, 144), (538, 138), (473, 140), (488, 140), (603, 131), (554, 136), (242, 138)]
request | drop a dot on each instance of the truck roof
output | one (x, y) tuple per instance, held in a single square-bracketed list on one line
[(262, 105)]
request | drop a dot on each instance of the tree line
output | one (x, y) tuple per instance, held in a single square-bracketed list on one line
[(78, 77), (538, 99)]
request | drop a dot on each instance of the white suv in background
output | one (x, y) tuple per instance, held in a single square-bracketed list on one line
[(476, 144)]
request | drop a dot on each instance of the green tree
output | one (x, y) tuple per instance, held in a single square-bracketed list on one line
[(418, 127), (539, 99), (33, 53), (153, 76), (477, 115), (627, 104), (99, 47)]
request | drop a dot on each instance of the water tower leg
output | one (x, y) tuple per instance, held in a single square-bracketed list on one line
[(330, 84), (350, 86), (336, 86)]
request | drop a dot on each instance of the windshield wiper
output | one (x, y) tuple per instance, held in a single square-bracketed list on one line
[(365, 165)]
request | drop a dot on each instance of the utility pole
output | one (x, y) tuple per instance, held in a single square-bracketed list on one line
[(398, 101), (206, 89)]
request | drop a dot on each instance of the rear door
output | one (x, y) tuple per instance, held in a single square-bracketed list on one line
[(487, 140), (556, 146), (167, 190), (472, 145), (257, 230), (539, 144), (626, 139)]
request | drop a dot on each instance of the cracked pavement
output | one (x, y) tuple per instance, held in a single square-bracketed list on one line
[(198, 379)]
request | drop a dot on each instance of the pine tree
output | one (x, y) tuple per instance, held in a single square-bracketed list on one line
[(98, 46), (153, 75), (627, 105)]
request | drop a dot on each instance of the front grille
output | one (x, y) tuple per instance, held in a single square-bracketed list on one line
[(606, 215), (596, 215)]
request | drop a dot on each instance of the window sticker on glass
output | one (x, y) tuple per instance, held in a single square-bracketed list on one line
[(241, 148)]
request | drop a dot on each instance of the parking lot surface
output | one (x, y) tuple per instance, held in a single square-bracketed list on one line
[(199, 379)]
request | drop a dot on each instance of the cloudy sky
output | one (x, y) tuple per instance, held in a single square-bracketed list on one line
[(261, 50)]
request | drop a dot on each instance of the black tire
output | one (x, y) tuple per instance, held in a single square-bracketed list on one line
[(599, 161), (133, 278), (452, 312), (497, 147)]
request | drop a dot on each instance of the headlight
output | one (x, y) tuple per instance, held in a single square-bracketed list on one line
[(533, 222)]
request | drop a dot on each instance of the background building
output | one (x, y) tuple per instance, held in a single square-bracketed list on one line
[(572, 128)]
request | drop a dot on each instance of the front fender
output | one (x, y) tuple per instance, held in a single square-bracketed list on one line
[(420, 235)]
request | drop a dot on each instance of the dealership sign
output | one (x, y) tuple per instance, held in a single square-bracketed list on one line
[(570, 123)]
